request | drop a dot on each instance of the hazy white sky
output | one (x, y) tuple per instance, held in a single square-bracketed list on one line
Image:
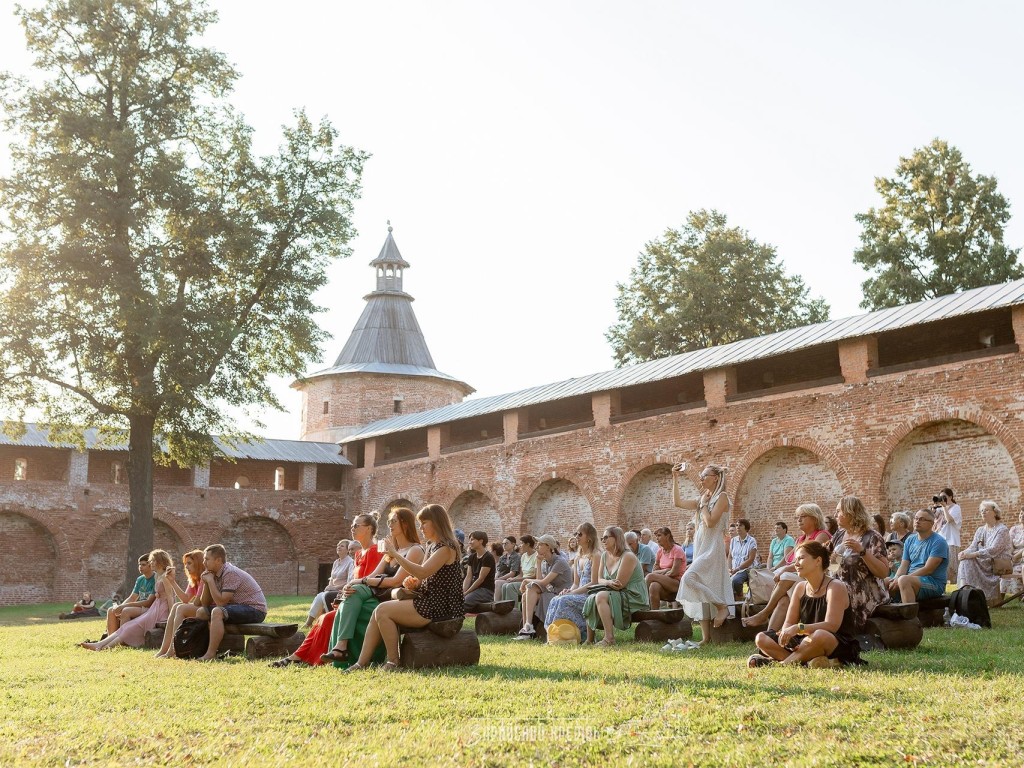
[(525, 152)]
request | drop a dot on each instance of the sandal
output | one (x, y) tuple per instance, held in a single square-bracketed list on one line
[(354, 667), (282, 663), (389, 666), (333, 655)]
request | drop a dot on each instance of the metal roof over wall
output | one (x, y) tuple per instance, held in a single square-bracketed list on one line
[(298, 451), (804, 337)]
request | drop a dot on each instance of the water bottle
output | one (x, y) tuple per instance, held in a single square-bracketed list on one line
[(945, 617)]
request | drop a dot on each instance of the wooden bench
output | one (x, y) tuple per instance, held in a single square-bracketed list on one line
[(266, 640), (661, 625), (733, 631), (930, 611), (439, 644)]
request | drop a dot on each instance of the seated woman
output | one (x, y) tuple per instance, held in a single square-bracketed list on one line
[(528, 568), (859, 551), (568, 604), (1010, 584), (819, 624), (811, 523), (438, 592), (359, 600), (368, 561), (341, 574), (900, 526), (624, 588), (554, 577), (669, 565), (991, 540), (133, 632), (191, 599), (83, 609), (509, 566)]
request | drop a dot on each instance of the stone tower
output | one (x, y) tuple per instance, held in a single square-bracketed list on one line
[(384, 369)]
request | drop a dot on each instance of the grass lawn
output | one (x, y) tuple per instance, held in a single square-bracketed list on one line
[(953, 700)]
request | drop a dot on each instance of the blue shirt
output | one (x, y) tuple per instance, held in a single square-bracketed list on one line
[(145, 588), (917, 553)]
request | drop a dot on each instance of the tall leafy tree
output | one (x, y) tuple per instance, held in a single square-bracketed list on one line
[(705, 284), (154, 271), (939, 230)]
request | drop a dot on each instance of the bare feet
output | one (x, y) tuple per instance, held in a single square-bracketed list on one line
[(607, 643), (756, 620), (90, 646), (720, 617)]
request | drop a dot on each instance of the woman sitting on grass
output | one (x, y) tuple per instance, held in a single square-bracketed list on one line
[(191, 598), (621, 585), (437, 583), (133, 632), (819, 624), (811, 522)]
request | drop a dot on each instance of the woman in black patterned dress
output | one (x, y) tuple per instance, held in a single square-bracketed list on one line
[(439, 595)]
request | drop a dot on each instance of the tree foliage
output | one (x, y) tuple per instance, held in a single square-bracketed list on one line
[(702, 285), (153, 269), (938, 231)]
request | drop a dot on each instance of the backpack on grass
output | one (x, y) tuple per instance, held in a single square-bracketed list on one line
[(971, 602), (191, 639)]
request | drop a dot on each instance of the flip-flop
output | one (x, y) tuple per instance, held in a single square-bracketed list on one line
[(333, 655), (281, 663)]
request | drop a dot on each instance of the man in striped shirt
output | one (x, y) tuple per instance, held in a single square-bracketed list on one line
[(235, 597)]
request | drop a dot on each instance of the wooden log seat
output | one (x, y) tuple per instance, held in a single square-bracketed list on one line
[(439, 644), (493, 623), (277, 640), (502, 607), (657, 626), (930, 611)]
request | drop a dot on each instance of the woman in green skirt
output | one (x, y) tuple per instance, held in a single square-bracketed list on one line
[(619, 590)]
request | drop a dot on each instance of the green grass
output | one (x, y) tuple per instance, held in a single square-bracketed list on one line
[(953, 700)]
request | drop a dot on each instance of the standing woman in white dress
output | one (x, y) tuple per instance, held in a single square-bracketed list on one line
[(705, 589)]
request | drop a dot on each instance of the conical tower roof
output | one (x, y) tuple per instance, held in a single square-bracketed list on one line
[(387, 337)]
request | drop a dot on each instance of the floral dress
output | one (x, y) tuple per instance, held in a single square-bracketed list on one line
[(571, 606), (867, 591)]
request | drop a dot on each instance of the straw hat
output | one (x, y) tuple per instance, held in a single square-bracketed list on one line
[(563, 631)]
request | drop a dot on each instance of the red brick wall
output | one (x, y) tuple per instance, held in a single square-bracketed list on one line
[(264, 549), (106, 559), (260, 474), (360, 398), (46, 464), (556, 507), (473, 511), (27, 569)]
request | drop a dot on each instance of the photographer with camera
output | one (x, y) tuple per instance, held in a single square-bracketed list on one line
[(948, 521)]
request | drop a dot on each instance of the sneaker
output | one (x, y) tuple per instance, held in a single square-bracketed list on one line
[(527, 631), (824, 662), (671, 645), (687, 645), (757, 660)]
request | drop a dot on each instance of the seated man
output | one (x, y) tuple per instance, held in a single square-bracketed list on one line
[(643, 554), (743, 550), (478, 584), (235, 597), (142, 596), (922, 572)]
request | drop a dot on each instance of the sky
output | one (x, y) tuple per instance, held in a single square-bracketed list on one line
[(525, 153)]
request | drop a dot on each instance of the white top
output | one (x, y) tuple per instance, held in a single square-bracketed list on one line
[(341, 573), (740, 550), (952, 520)]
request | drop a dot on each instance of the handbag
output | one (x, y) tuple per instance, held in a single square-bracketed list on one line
[(761, 585), (1002, 566)]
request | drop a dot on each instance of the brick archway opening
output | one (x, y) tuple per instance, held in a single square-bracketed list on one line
[(29, 577), (556, 506), (956, 453), (776, 483), (264, 549), (474, 511), (647, 500), (105, 566)]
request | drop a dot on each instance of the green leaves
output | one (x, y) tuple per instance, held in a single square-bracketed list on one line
[(702, 285), (939, 231), (152, 264)]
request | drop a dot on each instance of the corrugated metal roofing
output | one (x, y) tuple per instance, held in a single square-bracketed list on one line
[(954, 305), (299, 451)]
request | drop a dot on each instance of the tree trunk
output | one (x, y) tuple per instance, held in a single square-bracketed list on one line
[(140, 496)]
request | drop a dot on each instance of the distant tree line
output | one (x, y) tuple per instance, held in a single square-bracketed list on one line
[(939, 230)]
